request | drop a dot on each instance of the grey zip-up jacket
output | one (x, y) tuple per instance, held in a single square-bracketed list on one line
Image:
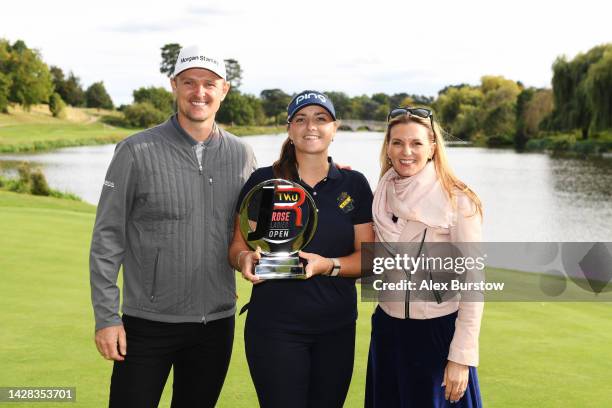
[(169, 221)]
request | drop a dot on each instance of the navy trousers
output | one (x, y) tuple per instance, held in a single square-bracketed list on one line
[(406, 364)]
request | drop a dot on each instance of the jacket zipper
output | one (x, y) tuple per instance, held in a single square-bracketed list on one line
[(197, 160), (407, 298), (152, 294), (435, 292)]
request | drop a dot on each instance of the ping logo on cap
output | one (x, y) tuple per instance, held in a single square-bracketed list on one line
[(305, 97), (310, 97)]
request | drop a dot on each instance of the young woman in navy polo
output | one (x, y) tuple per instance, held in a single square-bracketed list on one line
[(300, 334)]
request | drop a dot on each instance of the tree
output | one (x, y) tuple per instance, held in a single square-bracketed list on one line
[(259, 114), (5, 79), (274, 103), (598, 87), (342, 104), (97, 97), (160, 98), (422, 100), (573, 90), (381, 98), (75, 95), (233, 73), (68, 88), (397, 99), (169, 54), (449, 87), (239, 109), (533, 106), (57, 75), (407, 101), (364, 107), (5, 86), (499, 106), (57, 106), (382, 112), (143, 115), (30, 80), (459, 110)]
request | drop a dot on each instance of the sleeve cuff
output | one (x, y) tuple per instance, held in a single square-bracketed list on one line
[(465, 357), (114, 322)]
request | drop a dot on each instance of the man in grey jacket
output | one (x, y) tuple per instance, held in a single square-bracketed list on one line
[(166, 216)]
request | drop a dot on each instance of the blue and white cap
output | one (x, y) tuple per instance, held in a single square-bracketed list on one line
[(306, 98)]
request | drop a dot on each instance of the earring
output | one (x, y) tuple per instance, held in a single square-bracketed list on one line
[(290, 141), (389, 160)]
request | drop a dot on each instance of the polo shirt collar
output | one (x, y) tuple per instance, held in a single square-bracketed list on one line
[(333, 172)]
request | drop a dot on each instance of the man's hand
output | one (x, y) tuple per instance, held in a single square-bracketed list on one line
[(111, 342), (343, 166), (456, 378)]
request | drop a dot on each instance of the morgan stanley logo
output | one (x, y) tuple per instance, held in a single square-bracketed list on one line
[(199, 57), (307, 96)]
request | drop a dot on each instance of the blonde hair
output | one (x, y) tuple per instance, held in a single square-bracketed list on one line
[(450, 182)]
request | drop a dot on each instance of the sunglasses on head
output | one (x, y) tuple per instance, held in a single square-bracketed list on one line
[(418, 112)]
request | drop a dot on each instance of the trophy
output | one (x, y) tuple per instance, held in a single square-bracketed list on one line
[(280, 218)]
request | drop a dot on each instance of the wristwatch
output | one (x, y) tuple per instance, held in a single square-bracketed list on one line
[(336, 269)]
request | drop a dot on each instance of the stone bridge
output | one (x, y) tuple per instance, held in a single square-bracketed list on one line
[(356, 124)]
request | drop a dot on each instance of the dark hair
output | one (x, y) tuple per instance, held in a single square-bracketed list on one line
[(286, 165)]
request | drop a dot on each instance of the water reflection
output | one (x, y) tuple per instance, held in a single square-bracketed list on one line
[(527, 197)]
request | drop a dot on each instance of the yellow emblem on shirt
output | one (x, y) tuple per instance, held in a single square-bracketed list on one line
[(345, 202)]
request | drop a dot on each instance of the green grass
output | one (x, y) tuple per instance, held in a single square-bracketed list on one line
[(37, 130), (255, 130), (532, 354), (40, 137)]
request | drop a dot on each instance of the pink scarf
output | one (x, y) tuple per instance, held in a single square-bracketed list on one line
[(418, 198)]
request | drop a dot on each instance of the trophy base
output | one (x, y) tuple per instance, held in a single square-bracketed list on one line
[(280, 267)]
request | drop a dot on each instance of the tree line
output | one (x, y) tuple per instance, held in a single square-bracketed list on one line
[(26, 80), (496, 112), (501, 111)]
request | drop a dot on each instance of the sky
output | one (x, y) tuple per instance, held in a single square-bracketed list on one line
[(356, 47)]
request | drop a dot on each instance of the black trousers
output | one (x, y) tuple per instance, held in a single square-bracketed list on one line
[(199, 353), (300, 370)]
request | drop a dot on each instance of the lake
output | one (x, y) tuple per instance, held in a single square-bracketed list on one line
[(527, 196)]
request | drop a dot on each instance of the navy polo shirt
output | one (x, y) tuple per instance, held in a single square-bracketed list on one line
[(321, 303)]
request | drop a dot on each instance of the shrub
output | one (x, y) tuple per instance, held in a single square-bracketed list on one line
[(33, 181), (114, 120), (57, 106), (500, 141), (562, 143), (38, 183), (143, 115)]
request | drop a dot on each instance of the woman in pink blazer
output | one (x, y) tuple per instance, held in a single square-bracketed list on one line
[(423, 353)]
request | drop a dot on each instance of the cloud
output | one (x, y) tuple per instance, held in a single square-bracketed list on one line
[(360, 62), (130, 27), (210, 11)]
